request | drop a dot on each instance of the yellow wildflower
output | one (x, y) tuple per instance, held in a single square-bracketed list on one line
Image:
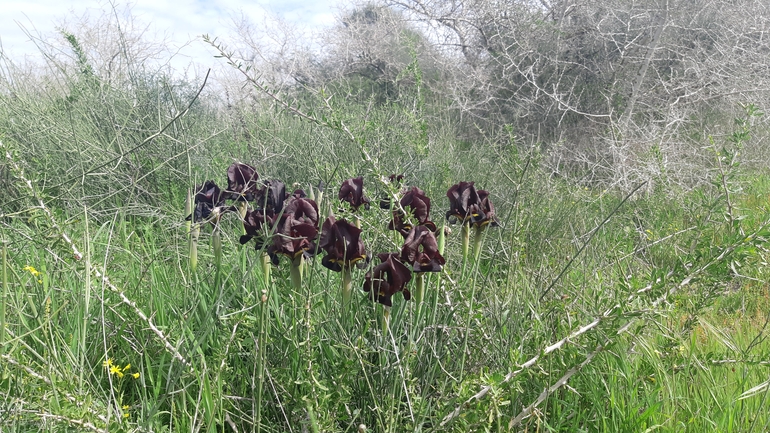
[(32, 270), (135, 375), (115, 369), (125, 407)]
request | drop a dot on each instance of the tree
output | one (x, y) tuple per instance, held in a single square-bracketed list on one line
[(610, 82)]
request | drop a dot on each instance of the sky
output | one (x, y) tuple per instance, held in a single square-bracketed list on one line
[(180, 21)]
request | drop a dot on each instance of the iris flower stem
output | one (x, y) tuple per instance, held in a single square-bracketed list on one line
[(419, 287), (195, 234), (347, 286), (478, 236), (188, 211), (434, 311), (466, 244), (477, 243), (419, 291), (296, 271), (441, 241), (265, 264), (216, 244)]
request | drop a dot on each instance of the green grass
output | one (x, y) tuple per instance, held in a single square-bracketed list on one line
[(637, 315), (682, 366)]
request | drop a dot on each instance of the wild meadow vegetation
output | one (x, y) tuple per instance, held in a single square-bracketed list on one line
[(609, 275)]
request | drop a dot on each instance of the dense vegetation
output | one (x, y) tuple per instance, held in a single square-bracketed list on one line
[(625, 288)]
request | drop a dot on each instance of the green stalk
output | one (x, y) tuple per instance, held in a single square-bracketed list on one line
[(442, 239), (467, 329), (347, 285), (434, 310), (194, 236), (478, 236), (265, 263), (5, 295), (466, 244), (216, 244), (466, 240), (319, 201), (419, 287), (441, 244), (477, 241), (296, 271), (188, 211), (419, 292)]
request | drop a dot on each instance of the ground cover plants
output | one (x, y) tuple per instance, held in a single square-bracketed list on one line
[(321, 260)]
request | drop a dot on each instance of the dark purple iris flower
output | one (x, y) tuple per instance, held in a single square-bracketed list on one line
[(209, 202), (242, 182), (342, 243), (470, 206), (418, 204), (421, 251), (301, 209), (352, 191), (271, 196), (388, 278), (258, 224), (296, 230)]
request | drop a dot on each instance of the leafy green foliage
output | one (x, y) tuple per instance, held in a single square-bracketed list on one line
[(654, 318)]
